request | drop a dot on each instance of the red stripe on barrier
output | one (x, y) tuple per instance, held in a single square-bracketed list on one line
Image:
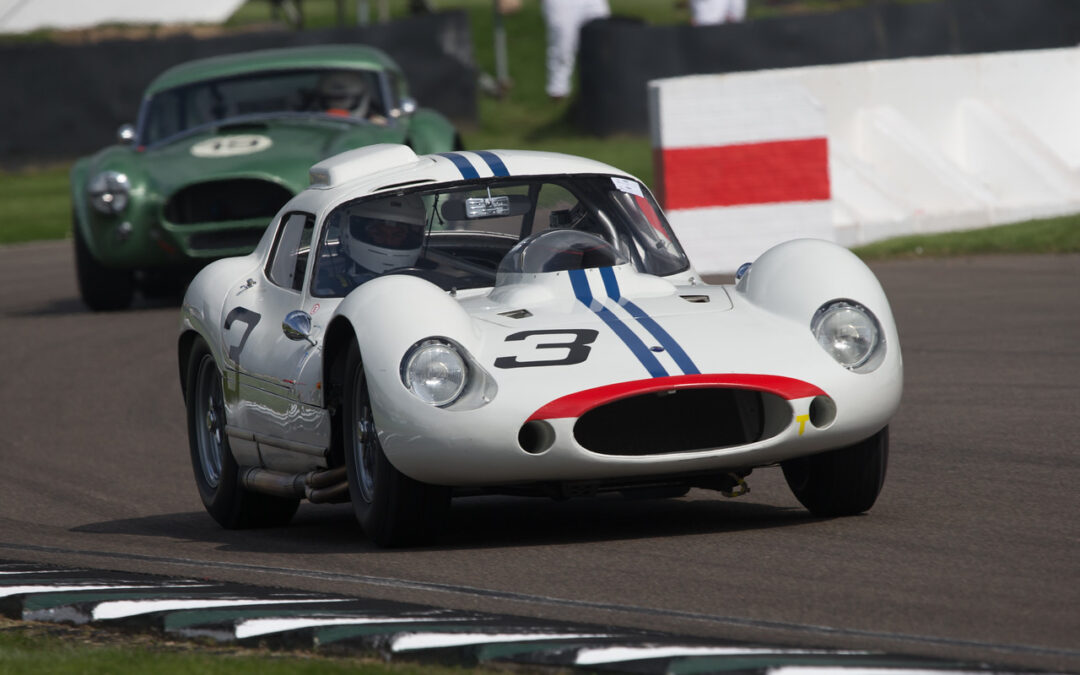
[(578, 403), (753, 173)]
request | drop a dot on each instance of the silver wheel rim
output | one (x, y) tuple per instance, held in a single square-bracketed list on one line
[(365, 443), (209, 421)]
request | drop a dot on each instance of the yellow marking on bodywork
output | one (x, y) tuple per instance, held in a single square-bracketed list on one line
[(801, 419)]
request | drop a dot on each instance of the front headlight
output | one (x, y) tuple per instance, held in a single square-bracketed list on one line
[(848, 332), (434, 372), (109, 192)]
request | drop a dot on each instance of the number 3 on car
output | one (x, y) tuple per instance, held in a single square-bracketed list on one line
[(577, 349)]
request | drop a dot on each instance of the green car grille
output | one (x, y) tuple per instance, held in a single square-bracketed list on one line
[(236, 199)]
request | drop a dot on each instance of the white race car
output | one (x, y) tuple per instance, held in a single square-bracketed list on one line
[(411, 328)]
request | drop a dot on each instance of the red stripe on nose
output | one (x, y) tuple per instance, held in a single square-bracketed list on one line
[(576, 404)]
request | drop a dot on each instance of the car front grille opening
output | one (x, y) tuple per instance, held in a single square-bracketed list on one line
[(685, 420), (226, 200)]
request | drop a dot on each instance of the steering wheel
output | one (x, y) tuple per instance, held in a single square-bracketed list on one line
[(434, 276), (407, 269), (559, 250)]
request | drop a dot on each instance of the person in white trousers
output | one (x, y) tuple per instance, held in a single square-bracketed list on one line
[(564, 19), (706, 12)]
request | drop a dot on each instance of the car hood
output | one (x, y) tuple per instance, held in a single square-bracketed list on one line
[(554, 345), (558, 332), (561, 342), (282, 151)]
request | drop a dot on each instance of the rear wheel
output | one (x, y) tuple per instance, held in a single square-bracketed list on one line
[(216, 472), (841, 482), (103, 289), (393, 509)]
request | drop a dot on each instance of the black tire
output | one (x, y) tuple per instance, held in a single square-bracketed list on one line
[(216, 472), (103, 289), (393, 509), (842, 482)]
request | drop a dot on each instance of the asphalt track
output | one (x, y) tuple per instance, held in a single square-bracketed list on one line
[(972, 551)]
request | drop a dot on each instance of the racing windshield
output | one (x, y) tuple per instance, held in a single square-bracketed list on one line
[(475, 230), (344, 94)]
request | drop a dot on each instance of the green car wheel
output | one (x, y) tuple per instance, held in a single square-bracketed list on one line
[(102, 289)]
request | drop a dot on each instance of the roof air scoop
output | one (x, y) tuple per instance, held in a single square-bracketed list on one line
[(358, 163)]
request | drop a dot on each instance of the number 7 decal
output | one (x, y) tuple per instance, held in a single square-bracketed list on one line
[(249, 319)]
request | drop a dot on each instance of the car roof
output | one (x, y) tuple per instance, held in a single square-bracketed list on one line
[(385, 167), (242, 63)]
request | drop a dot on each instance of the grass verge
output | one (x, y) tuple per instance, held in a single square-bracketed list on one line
[(1051, 235), (35, 204), (57, 649)]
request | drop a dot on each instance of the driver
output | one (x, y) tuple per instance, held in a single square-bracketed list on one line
[(373, 238), (386, 234), (345, 94)]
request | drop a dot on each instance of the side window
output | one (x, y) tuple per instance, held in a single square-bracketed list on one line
[(289, 258)]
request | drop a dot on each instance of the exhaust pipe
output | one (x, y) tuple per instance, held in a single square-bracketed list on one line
[(287, 485), (327, 487), (323, 486), (327, 478), (332, 495)]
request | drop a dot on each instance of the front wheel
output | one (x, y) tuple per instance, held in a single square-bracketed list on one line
[(102, 288), (393, 509), (842, 482), (216, 472)]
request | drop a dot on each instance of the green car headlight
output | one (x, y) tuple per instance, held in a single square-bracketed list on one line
[(434, 372), (109, 192), (848, 332)]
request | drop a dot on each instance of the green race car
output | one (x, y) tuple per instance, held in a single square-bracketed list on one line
[(219, 146)]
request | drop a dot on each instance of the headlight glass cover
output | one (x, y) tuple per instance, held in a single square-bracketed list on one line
[(847, 331), (109, 191), (434, 372)]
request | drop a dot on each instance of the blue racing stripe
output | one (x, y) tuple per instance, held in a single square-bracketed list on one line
[(494, 163), (580, 282), (682, 359), (463, 164)]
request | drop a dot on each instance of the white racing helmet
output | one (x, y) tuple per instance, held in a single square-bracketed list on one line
[(387, 233)]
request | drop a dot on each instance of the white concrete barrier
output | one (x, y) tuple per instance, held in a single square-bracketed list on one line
[(860, 152), (19, 16)]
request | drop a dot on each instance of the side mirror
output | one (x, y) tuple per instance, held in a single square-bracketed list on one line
[(407, 107), (126, 134), (297, 326)]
